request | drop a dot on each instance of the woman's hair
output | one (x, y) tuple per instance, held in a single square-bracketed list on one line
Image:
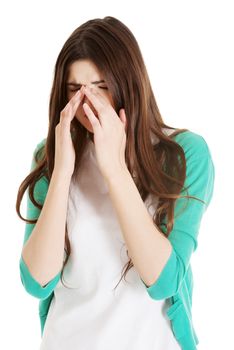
[(157, 169)]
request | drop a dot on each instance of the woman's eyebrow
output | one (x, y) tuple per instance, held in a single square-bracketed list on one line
[(79, 84)]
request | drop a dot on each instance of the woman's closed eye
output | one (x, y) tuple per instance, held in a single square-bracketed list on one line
[(100, 87)]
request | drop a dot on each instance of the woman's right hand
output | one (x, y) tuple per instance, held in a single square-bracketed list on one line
[(64, 150)]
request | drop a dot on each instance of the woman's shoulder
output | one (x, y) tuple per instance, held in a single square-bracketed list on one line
[(40, 144), (38, 151), (193, 144)]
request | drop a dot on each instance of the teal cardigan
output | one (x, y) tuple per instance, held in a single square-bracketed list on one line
[(175, 281)]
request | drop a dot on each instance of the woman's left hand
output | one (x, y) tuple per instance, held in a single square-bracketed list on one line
[(109, 133)]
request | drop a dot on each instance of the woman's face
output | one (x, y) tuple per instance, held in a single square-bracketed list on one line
[(84, 72)]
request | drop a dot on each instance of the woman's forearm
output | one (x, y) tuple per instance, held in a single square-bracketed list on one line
[(43, 252), (148, 248)]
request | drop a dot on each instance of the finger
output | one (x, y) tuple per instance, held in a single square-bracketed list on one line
[(95, 92), (69, 110), (98, 105), (76, 99), (92, 118)]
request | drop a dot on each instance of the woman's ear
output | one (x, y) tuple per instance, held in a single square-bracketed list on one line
[(123, 118)]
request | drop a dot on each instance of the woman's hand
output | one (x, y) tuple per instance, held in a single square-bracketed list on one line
[(109, 133), (64, 150)]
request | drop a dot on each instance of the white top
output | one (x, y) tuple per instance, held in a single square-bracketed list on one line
[(91, 315)]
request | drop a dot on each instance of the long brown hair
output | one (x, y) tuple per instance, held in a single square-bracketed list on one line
[(158, 169)]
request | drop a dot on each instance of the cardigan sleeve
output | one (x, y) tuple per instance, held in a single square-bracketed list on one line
[(200, 176), (31, 285)]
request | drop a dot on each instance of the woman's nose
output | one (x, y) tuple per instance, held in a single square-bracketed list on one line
[(86, 100), (83, 86), (83, 92)]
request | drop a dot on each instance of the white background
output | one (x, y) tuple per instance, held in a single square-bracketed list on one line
[(188, 50)]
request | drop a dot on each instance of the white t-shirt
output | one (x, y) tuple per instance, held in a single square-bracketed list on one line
[(91, 315)]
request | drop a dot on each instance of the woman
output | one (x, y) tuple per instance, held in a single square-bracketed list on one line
[(109, 174)]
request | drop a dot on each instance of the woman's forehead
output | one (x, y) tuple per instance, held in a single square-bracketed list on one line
[(84, 72)]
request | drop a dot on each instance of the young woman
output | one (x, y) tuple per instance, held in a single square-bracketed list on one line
[(112, 187)]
